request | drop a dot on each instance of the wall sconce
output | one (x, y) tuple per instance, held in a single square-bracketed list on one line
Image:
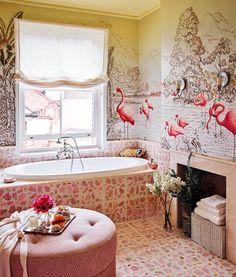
[(222, 80), (180, 86)]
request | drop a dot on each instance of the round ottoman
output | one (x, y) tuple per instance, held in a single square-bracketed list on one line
[(86, 248)]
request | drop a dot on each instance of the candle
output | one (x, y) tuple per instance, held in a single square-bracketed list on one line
[(178, 85), (219, 82)]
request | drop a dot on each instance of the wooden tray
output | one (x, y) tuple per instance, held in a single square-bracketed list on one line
[(47, 230)]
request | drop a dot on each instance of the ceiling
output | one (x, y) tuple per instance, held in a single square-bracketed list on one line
[(124, 8)]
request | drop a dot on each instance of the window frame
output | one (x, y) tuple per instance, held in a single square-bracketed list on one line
[(99, 120)]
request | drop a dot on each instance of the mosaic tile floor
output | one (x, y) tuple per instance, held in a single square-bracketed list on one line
[(146, 250)]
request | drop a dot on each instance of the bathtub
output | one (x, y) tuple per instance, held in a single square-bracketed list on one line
[(61, 169)]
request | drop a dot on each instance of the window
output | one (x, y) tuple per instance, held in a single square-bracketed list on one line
[(61, 72)]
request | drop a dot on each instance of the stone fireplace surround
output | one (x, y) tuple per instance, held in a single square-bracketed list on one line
[(220, 167)]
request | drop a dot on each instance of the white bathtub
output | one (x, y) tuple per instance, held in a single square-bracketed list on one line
[(60, 169)]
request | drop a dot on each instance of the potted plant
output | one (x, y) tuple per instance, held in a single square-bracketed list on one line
[(189, 195)]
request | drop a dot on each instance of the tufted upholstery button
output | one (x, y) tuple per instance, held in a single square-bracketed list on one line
[(76, 237), (93, 254)]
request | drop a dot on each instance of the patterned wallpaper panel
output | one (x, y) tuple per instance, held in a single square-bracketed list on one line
[(7, 82), (201, 117)]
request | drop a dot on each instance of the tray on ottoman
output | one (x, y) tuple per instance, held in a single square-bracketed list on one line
[(48, 230)]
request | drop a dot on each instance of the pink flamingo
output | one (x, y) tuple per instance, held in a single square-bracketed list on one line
[(173, 130), (201, 100), (144, 111), (150, 106), (120, 110), (182, 123), (229, 122), (174, 93)]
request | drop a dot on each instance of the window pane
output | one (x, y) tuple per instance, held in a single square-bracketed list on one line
[(51, 113), (77, 111), (42, 112)]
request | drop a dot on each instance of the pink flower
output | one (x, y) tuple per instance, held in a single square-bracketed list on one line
[(43, 203)]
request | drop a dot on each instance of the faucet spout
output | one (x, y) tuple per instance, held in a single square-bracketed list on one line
[(64, 149)]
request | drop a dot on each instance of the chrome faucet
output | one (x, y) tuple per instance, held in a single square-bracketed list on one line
[(68, 150)]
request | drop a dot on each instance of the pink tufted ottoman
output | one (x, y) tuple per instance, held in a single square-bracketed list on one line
[(87, 248)]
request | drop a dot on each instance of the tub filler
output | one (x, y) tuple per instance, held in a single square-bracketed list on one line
[(61, 169)]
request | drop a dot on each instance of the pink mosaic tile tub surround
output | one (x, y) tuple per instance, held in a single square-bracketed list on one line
[(120, 197)]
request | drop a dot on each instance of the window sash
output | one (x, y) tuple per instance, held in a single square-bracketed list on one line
[(99, 121)]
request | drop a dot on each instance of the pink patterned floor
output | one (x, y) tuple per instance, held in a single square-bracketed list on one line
[(146, 250)]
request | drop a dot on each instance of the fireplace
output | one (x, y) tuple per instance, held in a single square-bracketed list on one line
[(211, 183), (223, 175)]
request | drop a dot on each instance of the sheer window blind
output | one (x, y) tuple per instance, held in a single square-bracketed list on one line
[(54, 54)]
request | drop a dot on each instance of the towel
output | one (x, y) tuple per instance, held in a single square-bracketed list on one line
[(218, 220), (10, 233), (211, 210), (215, 201)]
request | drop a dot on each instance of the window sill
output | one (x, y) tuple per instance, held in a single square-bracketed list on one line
[(54, 152)]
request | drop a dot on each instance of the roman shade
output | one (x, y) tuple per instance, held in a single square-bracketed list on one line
[(50, 54)]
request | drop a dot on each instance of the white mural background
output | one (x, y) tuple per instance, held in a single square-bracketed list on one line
[(203, 46)]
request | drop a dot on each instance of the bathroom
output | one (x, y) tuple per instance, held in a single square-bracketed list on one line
[(172, 60)]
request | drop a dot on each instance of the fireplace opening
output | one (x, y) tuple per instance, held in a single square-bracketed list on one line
[(210, 184)]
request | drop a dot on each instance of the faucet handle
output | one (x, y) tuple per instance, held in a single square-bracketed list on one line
[(68, 154)]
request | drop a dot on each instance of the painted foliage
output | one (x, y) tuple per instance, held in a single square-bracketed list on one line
[(199, 56), (7, 81)]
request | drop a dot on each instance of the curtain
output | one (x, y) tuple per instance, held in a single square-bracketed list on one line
[(55, 54)]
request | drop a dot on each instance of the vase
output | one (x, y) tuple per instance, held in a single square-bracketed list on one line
[(187, 209), (167, 224), (44, 218)]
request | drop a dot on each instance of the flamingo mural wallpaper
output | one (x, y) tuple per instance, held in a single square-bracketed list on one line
[(204, 112), (143, 100)]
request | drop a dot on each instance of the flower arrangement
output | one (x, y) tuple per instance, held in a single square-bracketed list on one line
[(166, 186), (43, 204)]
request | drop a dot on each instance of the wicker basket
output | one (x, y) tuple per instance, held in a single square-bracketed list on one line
[(209, 235)]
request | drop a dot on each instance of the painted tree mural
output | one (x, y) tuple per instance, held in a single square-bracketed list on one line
[(186, 57), (7, 82), (200, 59)]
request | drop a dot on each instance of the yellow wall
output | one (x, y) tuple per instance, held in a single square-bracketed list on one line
[(149, 45), (122, 31)]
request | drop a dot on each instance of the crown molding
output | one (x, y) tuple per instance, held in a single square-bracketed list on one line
[(80, 10), (141, 16)]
